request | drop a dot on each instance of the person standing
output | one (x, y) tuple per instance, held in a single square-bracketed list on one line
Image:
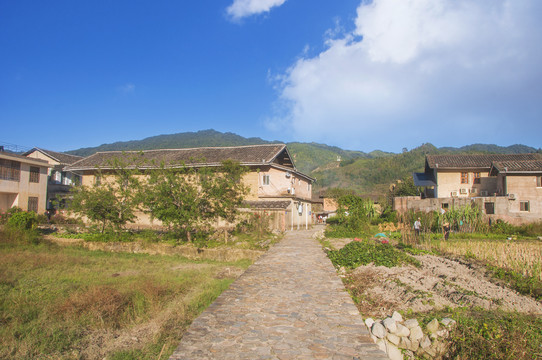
[(446, 229), (417, 227)]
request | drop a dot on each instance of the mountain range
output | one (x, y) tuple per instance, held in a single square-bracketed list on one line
[(332, 167)]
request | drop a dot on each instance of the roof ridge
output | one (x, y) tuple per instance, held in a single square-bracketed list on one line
[(184, 149)]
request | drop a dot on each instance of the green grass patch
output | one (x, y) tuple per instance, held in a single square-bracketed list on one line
[(413, 250), (364, 252), (68, 302), (491, 334), (249, 240), (526, 285)]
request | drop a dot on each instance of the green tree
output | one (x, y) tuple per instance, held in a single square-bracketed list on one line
[(355, 212), (403, 187), (113, 200), (189, 199)]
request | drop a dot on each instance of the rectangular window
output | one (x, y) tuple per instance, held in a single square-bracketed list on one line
[(490, 208), (476, 177), (34, 174), (58, 177), (464, 178), (97, 180), (10, 170), (539, 181), (524, 206), (33, 204), (266, 179)]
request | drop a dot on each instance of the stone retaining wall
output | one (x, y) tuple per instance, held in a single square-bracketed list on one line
[(396, 336)]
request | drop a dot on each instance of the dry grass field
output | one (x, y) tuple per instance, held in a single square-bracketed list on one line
[(72, 303), (522, 256)]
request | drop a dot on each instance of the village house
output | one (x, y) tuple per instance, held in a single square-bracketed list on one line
[(23, 182), (277, 189), (323, 207), (505, 186), (59, 182)]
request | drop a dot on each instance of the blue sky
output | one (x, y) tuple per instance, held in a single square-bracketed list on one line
[(361, 75)]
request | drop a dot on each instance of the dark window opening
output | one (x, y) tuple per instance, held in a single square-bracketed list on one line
[(33, 204), (490, 208), (34, 174), (10, 170)]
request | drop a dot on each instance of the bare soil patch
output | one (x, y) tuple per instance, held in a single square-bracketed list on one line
[(439, 282)]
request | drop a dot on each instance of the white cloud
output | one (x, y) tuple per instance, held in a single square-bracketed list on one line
[(243, 8), (414, 71)]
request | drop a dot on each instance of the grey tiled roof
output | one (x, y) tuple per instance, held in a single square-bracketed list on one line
[(209, 156), (21, 158), (473, 160), (271, 205), (522, 166), (65, 159)]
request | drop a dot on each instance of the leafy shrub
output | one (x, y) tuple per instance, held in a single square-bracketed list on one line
[(42, 219), (533, 229), (388, 215), (502, 227), (353, 217), (4, 216), (528, 230), (364, 252), (23, 220)]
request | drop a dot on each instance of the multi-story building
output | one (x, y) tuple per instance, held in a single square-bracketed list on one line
[(59, 182), (23, 182), (505, 186)]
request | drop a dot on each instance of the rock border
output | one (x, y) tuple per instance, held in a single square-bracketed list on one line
[(400, 338)]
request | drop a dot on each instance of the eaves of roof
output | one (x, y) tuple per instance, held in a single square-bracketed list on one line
[(57, 156), (27, 160)]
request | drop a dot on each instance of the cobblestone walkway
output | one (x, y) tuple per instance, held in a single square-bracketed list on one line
[(289, 305)]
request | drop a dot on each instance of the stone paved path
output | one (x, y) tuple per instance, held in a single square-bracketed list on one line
[(290, 304)]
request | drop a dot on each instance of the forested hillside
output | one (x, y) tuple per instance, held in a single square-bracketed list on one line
[(365, 173), (203, 138), (311, 156), (374, 175)]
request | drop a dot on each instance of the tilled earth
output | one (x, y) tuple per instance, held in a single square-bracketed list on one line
[(439, 282)]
